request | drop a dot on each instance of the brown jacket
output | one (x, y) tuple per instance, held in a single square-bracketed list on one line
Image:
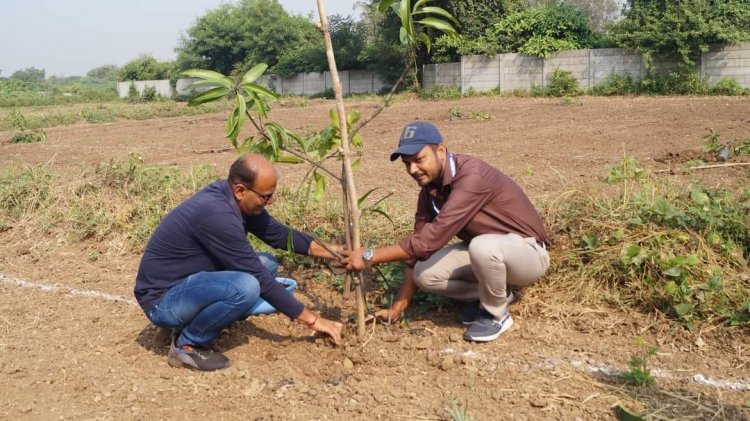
[(478, 199)]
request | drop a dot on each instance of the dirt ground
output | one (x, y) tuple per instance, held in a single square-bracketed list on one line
[(68, 355)]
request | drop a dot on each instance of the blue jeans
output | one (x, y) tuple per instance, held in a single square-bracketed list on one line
[(204, 303)]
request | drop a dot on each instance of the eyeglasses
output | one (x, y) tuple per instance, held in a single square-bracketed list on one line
[(264, 197)]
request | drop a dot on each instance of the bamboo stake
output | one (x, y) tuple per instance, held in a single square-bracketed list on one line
[(350, 191)]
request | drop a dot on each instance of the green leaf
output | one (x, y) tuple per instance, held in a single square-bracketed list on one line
[(353, 117), (357, 164), (438, 24), (674, 272), (381, 212), (259, 90), (438, 11), (699, 197), (683, 309), (320, 186), (210, 75), (203, 84), (334, 117), (273, 137), (403, 36), (254, 73), (208, 96), (404, 13), (385, 4), (364, 196), (425, 40), (624, 415), (289, 159), (629, 254)]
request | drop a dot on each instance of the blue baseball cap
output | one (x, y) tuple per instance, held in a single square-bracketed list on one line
[(416, 136)]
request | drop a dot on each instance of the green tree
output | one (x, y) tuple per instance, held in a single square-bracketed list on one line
[(681, 29), (348, 37), (145, 67), (600, 13), (232, 37), (108, 72), (541, 31), (417, 23), (29, 74)]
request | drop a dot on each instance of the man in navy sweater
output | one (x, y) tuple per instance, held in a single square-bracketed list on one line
[(199, 274)]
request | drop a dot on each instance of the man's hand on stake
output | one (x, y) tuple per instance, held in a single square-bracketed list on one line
[(353, 259)]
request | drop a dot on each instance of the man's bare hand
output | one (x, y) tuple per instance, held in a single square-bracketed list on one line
[(331, 328), (353, 259), (388, 315)]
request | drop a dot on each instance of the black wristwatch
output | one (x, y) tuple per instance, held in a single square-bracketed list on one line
[(367, 256)]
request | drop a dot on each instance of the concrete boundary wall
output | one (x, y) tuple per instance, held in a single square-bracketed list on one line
[(163, 87), (591, 67), (352, 82)]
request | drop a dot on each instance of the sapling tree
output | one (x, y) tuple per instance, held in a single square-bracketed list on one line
[(337, 142)]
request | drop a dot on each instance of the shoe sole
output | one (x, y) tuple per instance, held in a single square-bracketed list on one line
[(507, 325), (511, 298)]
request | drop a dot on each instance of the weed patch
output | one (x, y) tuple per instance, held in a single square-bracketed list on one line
[(659, 248)]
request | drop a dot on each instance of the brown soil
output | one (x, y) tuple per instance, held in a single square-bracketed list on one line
[(73, 357)]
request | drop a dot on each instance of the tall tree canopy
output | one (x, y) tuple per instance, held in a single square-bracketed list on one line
[(232, 38), (681, 29), (29, 74)]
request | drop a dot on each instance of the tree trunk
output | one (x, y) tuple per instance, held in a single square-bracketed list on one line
[(349, 190)]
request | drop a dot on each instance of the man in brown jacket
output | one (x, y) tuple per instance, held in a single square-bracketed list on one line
[(504, 242)]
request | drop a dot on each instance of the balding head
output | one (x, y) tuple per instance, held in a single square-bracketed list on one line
[(253, 180), (248, 168)]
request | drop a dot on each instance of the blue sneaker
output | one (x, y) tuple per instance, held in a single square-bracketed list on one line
[(472, 310), (487, 328)]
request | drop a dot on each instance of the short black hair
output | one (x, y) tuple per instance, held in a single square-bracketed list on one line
[(242, 173)]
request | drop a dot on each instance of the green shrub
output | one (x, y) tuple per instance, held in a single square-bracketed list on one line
[(563, 84), (679, 82), (31, 136), (100, 114), (659, 247), (615, 84), (23, 190), (149, 93), (327, 94), (441, 92), (729, 87)]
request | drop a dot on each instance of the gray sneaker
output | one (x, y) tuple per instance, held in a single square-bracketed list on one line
[(472, 310), (195, 358), (487, 328)]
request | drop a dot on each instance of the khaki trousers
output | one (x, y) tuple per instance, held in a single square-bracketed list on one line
[(483, 269)]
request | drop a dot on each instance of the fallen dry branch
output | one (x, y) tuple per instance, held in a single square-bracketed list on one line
[(705, 167), (214, 150)]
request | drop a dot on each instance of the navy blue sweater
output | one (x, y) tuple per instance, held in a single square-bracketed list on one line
[(208, 233)]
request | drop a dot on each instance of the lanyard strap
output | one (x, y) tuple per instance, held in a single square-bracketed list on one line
[(452, 163)]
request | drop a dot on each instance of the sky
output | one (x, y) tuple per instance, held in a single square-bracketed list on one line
[(71, 37)]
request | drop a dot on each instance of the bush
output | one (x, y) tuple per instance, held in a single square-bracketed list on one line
[(615, 85), (563, 84), (441, 92), (32, 136), (678, 82), (658, 247), (149, 93), (729, 87)]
